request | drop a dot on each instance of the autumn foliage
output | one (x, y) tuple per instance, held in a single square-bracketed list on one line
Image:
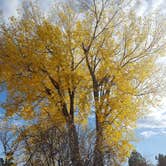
[(95, 59)]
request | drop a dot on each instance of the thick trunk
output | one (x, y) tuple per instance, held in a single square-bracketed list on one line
[(74, 145), (98, 149), (98, 155), (73, 135)]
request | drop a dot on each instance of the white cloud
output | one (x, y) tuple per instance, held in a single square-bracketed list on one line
[(155, 5), (146, 6), (46, 4), (9, 7), (148, 134), (141, 7), (156, 119), (155, 122)]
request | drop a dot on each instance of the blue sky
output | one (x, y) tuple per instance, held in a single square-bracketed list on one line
[(151, 130), (2, 99)]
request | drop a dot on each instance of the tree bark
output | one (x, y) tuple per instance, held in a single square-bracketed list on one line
[(98, 149), (98, 153), (74, 145)]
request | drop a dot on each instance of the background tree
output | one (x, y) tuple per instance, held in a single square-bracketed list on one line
[(8, 136), (161, 160), (47, 146), (1, 162), (136, 159)]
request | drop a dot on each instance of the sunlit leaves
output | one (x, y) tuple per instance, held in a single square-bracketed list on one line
[(99, 62)]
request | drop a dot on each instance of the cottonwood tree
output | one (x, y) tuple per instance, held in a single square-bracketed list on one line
[(98, 59)]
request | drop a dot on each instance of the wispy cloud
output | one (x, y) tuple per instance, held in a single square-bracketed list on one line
[(9, 7), (156, 119), (146, 6), (142, 6), (155, 122), (148, 134)]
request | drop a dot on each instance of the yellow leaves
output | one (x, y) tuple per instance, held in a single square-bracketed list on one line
[(27, 113), (10, 113), (49, 33), (119, 145), (44, 62), (53, 112), (81, 33)]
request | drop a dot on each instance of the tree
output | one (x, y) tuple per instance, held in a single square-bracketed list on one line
[(99, 60), (1, 162), (161, 160), (136, 159), (8, 144), (48, 146)]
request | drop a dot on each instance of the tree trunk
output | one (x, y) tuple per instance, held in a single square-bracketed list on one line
[(98, 153), (74, 145), (98, 150)]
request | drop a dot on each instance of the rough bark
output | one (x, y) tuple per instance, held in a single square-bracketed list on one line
[(98, 153), (74, 145)]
